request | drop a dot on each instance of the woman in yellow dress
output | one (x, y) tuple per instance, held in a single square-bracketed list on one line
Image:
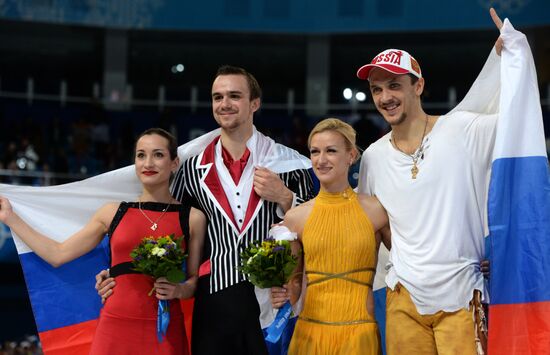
[(340, 247)]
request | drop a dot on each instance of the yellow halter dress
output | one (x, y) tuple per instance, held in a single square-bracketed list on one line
[(339, 254)]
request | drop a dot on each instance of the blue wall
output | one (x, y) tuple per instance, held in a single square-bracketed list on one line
[(290, 16)]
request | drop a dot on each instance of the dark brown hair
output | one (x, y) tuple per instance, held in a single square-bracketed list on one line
[(172, 144), (253, 86)]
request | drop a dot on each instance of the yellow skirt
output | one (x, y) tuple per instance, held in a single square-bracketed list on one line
[(312, 338)]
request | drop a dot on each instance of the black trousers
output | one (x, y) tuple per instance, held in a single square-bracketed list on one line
[(226, 322)]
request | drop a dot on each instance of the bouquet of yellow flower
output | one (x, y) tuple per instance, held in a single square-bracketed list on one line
[(269, 263), (160, 257)]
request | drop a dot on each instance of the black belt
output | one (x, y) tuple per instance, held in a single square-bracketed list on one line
[(122, 269)]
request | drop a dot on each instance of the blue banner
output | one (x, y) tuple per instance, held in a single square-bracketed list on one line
[(276, 328), (283, 16)]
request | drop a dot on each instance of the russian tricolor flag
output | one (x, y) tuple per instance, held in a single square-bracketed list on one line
[(64, 301), (519, 210)]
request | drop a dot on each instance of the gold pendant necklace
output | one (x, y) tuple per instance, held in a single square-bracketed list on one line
[(414, 170), (417, 154), (154, 225)]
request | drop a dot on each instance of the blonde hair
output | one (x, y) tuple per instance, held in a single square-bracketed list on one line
[(339, 126)]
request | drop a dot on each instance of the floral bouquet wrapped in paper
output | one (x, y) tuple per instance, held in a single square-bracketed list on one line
[(160, 257), (271, 264)]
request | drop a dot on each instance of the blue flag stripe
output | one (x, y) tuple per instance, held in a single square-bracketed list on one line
[(66, 295), (519, 219)]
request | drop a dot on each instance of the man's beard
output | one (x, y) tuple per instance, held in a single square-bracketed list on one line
[(400, 120)]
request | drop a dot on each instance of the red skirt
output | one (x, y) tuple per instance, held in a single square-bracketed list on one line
[(115, 335)]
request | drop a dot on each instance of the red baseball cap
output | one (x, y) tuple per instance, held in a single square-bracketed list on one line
[(396, 61)]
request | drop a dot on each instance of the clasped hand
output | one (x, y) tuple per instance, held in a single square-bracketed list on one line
[(270, 187)]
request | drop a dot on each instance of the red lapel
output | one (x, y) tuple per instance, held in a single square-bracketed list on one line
[(212, 180), (252, 203)]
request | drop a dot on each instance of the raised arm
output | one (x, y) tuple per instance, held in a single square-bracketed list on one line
[(498, 23), (56, 253)]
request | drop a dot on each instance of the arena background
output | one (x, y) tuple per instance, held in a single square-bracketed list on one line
[(78, 79)]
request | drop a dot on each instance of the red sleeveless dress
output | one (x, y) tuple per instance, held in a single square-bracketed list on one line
[(128, 320)]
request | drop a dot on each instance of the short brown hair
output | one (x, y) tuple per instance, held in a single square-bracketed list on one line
[(253, 86)]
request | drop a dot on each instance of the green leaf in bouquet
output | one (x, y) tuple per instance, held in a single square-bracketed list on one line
[(268, 263), (289, 268), (160, 257), (175, 275)]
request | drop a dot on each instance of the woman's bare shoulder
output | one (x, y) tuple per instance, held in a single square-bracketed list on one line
[(107, 212), (300, 210), (367, 199), (374, 210), (296, 217)]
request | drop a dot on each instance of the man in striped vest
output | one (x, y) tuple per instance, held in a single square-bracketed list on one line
[(244, 182)]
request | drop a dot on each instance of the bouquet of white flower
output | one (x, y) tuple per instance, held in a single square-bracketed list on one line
[(160, 257)]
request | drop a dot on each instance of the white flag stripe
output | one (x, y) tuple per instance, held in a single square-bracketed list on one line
[(60, 211), (518, 76)]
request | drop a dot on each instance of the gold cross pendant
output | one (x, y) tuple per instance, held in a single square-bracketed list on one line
[(414, 170)]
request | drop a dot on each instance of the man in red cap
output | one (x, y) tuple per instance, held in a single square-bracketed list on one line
[(431, 173)]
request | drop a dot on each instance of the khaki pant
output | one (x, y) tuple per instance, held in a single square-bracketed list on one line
[(410, 333)]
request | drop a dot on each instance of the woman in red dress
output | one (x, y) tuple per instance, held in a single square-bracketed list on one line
[(128, 321)]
